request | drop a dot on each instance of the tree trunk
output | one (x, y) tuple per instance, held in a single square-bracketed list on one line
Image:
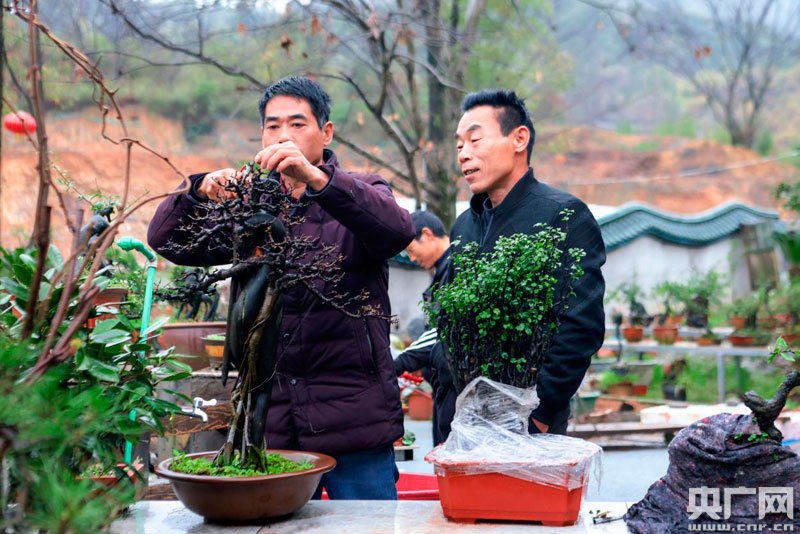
[(439, 157)]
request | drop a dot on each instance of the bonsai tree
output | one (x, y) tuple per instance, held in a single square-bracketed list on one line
[(746, 307), (191, 294), (788, 302), (700, 294), (256, 225), (670, 294), (789, 243), (498, 316), (631, 294)]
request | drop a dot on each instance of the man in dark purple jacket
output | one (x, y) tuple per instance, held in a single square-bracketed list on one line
[(335, 388)]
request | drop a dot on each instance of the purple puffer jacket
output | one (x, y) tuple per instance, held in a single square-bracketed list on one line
[(336, 389)]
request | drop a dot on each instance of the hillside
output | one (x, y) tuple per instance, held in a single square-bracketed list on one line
[(566, 159)]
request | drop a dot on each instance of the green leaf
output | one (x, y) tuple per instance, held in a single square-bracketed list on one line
[(19, 291), (105, 325), (55, 257), (111, 337), (100, 370), (158, 323), (23, 273)]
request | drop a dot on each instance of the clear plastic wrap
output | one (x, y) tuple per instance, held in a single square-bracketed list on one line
[(489, 433)]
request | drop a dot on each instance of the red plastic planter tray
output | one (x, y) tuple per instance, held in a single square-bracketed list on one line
[(468, 497), (413, 487)]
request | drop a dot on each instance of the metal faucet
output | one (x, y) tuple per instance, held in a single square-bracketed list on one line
[(195, 410)]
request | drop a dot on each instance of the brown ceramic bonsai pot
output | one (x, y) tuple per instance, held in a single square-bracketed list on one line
[(666, 335), (633, 334), (187, 338), (239, 499), (742, 341)]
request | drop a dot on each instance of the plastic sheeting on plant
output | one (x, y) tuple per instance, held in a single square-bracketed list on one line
[(720, 452), (490, 434)]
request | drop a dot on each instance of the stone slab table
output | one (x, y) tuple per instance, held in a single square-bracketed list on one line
[(352, 517)]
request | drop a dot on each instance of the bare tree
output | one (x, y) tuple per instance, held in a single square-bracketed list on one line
[(729, 51)]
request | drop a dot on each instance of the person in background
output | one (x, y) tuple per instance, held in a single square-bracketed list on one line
[(430, 249)]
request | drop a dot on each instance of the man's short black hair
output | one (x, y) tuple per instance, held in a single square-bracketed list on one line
[(513, 112), (299, 87), (426, 219)]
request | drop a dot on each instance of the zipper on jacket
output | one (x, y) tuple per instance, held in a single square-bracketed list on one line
[(369, 346)]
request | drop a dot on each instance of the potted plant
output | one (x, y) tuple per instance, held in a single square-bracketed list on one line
[(72, 407), (666, 331), (788, 304), (743, 311), (617, 382), (496, 319), (239, 481), (196, 307), (418, 397), (700, 294), (745, 337), (214, 345), (631, 294), (708, 338)]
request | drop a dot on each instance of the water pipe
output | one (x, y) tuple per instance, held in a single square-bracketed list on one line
[(129, 243)]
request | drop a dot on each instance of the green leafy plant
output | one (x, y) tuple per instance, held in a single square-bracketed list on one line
[(746, 307), (58, 421), (125, 272), (700, 293), (498, 316), (787, 301), (631, 294), (670, 293), (781, 350), (606, 379)]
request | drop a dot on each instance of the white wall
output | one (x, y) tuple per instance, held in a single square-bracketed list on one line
[(654, 261), (406, 285)]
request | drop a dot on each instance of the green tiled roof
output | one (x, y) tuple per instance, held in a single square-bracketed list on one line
[(634, 220)]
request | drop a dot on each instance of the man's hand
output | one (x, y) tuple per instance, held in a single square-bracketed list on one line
[(286, 159), (213, 185), (543, 428)]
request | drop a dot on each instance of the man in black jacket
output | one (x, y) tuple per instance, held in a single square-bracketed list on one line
[(495, 140), (430, 249)]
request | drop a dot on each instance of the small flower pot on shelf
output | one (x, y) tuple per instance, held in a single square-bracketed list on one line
[(215, 346), (633, 334), (639, 390), (112, 479), (708, 341), (741, 341), (420, 405), (665, 335)]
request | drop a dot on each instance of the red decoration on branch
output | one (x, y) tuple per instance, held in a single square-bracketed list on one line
[(19, 122)]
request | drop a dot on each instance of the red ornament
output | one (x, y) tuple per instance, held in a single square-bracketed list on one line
[(19, 122)]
